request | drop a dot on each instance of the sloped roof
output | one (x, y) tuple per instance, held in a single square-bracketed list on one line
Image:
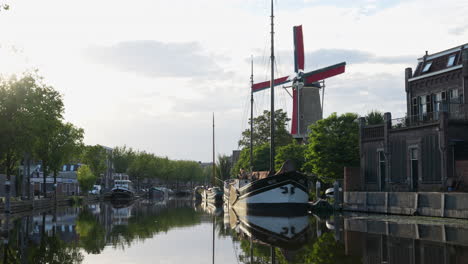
[(439, 62)]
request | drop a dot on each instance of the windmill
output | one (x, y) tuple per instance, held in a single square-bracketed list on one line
[(306, 86)]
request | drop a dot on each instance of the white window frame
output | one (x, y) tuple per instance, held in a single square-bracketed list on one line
[(451, 61), (427, 66)]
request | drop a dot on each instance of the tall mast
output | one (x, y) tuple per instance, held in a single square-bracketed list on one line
[(214, 164), (251, 115), (272, 86)]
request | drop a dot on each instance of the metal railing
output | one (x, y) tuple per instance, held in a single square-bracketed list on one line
[(373, 132), (455, 110)]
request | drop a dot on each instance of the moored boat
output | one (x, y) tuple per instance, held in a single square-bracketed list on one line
[(123, 190), (212, 195), (262, 194)]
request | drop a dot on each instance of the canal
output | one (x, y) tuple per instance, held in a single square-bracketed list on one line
[(177, 231)]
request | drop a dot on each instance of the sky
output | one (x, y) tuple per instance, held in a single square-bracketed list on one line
[(149, 74)]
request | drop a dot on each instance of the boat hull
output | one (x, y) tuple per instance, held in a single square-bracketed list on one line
[(284, 193), (121, 194), (216, 198), (286, 232)]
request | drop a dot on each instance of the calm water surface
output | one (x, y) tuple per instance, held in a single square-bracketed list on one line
[(177, 231)]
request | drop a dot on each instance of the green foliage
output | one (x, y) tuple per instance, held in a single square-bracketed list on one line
[(32, 123), (293, 152), (327, 250), (76, 200), (86, 178), (143, 165), (261, 159), (333, 144), (223, 167), (65, 143), (374, 117), (261, 130), (54, 250), (95, 157), (122, 157), (30, 112), (92, 233)]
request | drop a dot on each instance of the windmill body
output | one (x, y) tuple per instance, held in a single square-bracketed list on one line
[(306, 86)]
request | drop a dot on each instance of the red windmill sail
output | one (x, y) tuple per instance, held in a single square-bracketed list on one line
[(308, 78)]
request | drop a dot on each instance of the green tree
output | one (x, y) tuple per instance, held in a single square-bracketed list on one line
[(333, 144), (261, 130), (223, 167), (95, 157), (65, 143), (294, 152), (16, 116), (122, 157), (86, 178), (48, 115), (261, 159), (374, 117), (30, 113)]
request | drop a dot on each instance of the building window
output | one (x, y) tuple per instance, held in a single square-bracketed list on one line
[(427, 67), (422, 107), (453, 94), (382, 168), (64, 167), (72, 168), (414, 166), (451, 61), (429, 104)]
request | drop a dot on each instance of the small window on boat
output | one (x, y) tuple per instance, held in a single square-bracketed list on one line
[(427, 66), (451, 61)]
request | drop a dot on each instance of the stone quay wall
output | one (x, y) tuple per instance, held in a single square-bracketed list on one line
[(434, 204)]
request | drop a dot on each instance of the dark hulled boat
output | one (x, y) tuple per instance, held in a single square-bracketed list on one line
[(122, 190)]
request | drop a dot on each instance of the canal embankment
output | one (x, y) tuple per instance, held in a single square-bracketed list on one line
[(22, 206), (433, 204)]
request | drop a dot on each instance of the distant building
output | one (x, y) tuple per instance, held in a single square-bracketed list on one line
[(67, 180), (427, 150), (107, 177)]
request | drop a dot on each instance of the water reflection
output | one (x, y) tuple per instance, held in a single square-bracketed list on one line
[(205, 234)]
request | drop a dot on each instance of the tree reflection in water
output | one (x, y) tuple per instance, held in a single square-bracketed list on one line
[(61, 236)]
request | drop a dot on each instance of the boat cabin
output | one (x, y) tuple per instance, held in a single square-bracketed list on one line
[(123, 184)]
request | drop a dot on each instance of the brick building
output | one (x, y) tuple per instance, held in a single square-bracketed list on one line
[(427, 150)]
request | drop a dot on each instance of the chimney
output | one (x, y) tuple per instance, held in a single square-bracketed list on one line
[(408, 75)]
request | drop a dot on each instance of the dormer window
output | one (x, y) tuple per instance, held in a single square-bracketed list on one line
[(451, 61), (427, 66)]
